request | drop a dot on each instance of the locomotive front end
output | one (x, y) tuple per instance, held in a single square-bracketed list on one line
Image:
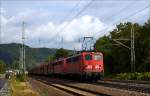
[(93, 65)]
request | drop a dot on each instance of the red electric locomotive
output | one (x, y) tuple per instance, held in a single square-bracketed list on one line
[(86, 65)]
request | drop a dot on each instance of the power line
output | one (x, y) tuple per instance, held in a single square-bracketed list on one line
[(77, 4), (67, 16), (82, 10), (85, 9), (136, 12), (65, 26), (129, 16), (120, 11)]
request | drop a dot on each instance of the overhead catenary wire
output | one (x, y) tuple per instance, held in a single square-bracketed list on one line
[(120, 11), (71, 11), (113, 15), (66, 17), (86, 8), (66, 26), (132, 39), (125, 18), (82, 10)]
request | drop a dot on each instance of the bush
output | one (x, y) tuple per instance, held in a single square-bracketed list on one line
[(21, 77), (146, 76), (134, 76)]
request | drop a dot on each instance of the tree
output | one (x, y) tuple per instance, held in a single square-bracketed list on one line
[(103, 45), (2, 66), (119, 55), (61, 53), (49, 58)]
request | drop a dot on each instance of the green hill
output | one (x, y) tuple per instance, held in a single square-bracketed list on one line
[(10, 54)]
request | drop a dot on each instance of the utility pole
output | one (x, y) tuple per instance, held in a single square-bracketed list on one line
[(74, 51), (62, 42), (0, 32), (0, 25), (39, 42), (20, 59), (23, 48), (132, 49)]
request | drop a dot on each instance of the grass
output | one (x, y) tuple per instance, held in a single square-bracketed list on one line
[(21, 88), (45, 93), (21, 77)]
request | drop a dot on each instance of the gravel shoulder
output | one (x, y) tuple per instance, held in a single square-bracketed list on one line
[(46, 90)]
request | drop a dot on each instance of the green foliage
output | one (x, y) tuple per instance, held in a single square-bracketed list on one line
[(134, 76), (49, 58), (2, 66), (117, 57), (61, 53), (15, 64), (10, 53), (21, 77)]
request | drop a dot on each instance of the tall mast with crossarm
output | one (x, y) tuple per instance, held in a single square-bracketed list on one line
[(23, 48)]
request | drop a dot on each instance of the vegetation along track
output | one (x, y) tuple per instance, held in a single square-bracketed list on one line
[(144, 88), (72, 89)]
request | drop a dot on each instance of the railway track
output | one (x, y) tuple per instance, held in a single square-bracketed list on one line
[(72, 89), (105, 87), (128, 81), (126, 86)]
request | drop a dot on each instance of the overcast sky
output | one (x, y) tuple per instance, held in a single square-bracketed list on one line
[(48, 22)]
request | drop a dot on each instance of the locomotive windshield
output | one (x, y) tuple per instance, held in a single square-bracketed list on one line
[(97, 57), (88, 57)]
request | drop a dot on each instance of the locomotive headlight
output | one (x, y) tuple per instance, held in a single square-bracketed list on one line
[(89, 67), (97, 67)]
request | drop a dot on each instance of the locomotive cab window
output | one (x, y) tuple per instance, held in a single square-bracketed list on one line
[(88, 57), (97, 57)]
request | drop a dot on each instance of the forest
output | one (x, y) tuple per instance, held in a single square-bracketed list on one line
[(117, 58)]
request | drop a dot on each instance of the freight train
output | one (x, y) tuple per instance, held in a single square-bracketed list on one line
[(86, 65)]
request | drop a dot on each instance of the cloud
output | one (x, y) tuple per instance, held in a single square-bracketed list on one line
[(69, 31), (3, 20), (28, 15), (84, 26), (2, 10), (50, 34)]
